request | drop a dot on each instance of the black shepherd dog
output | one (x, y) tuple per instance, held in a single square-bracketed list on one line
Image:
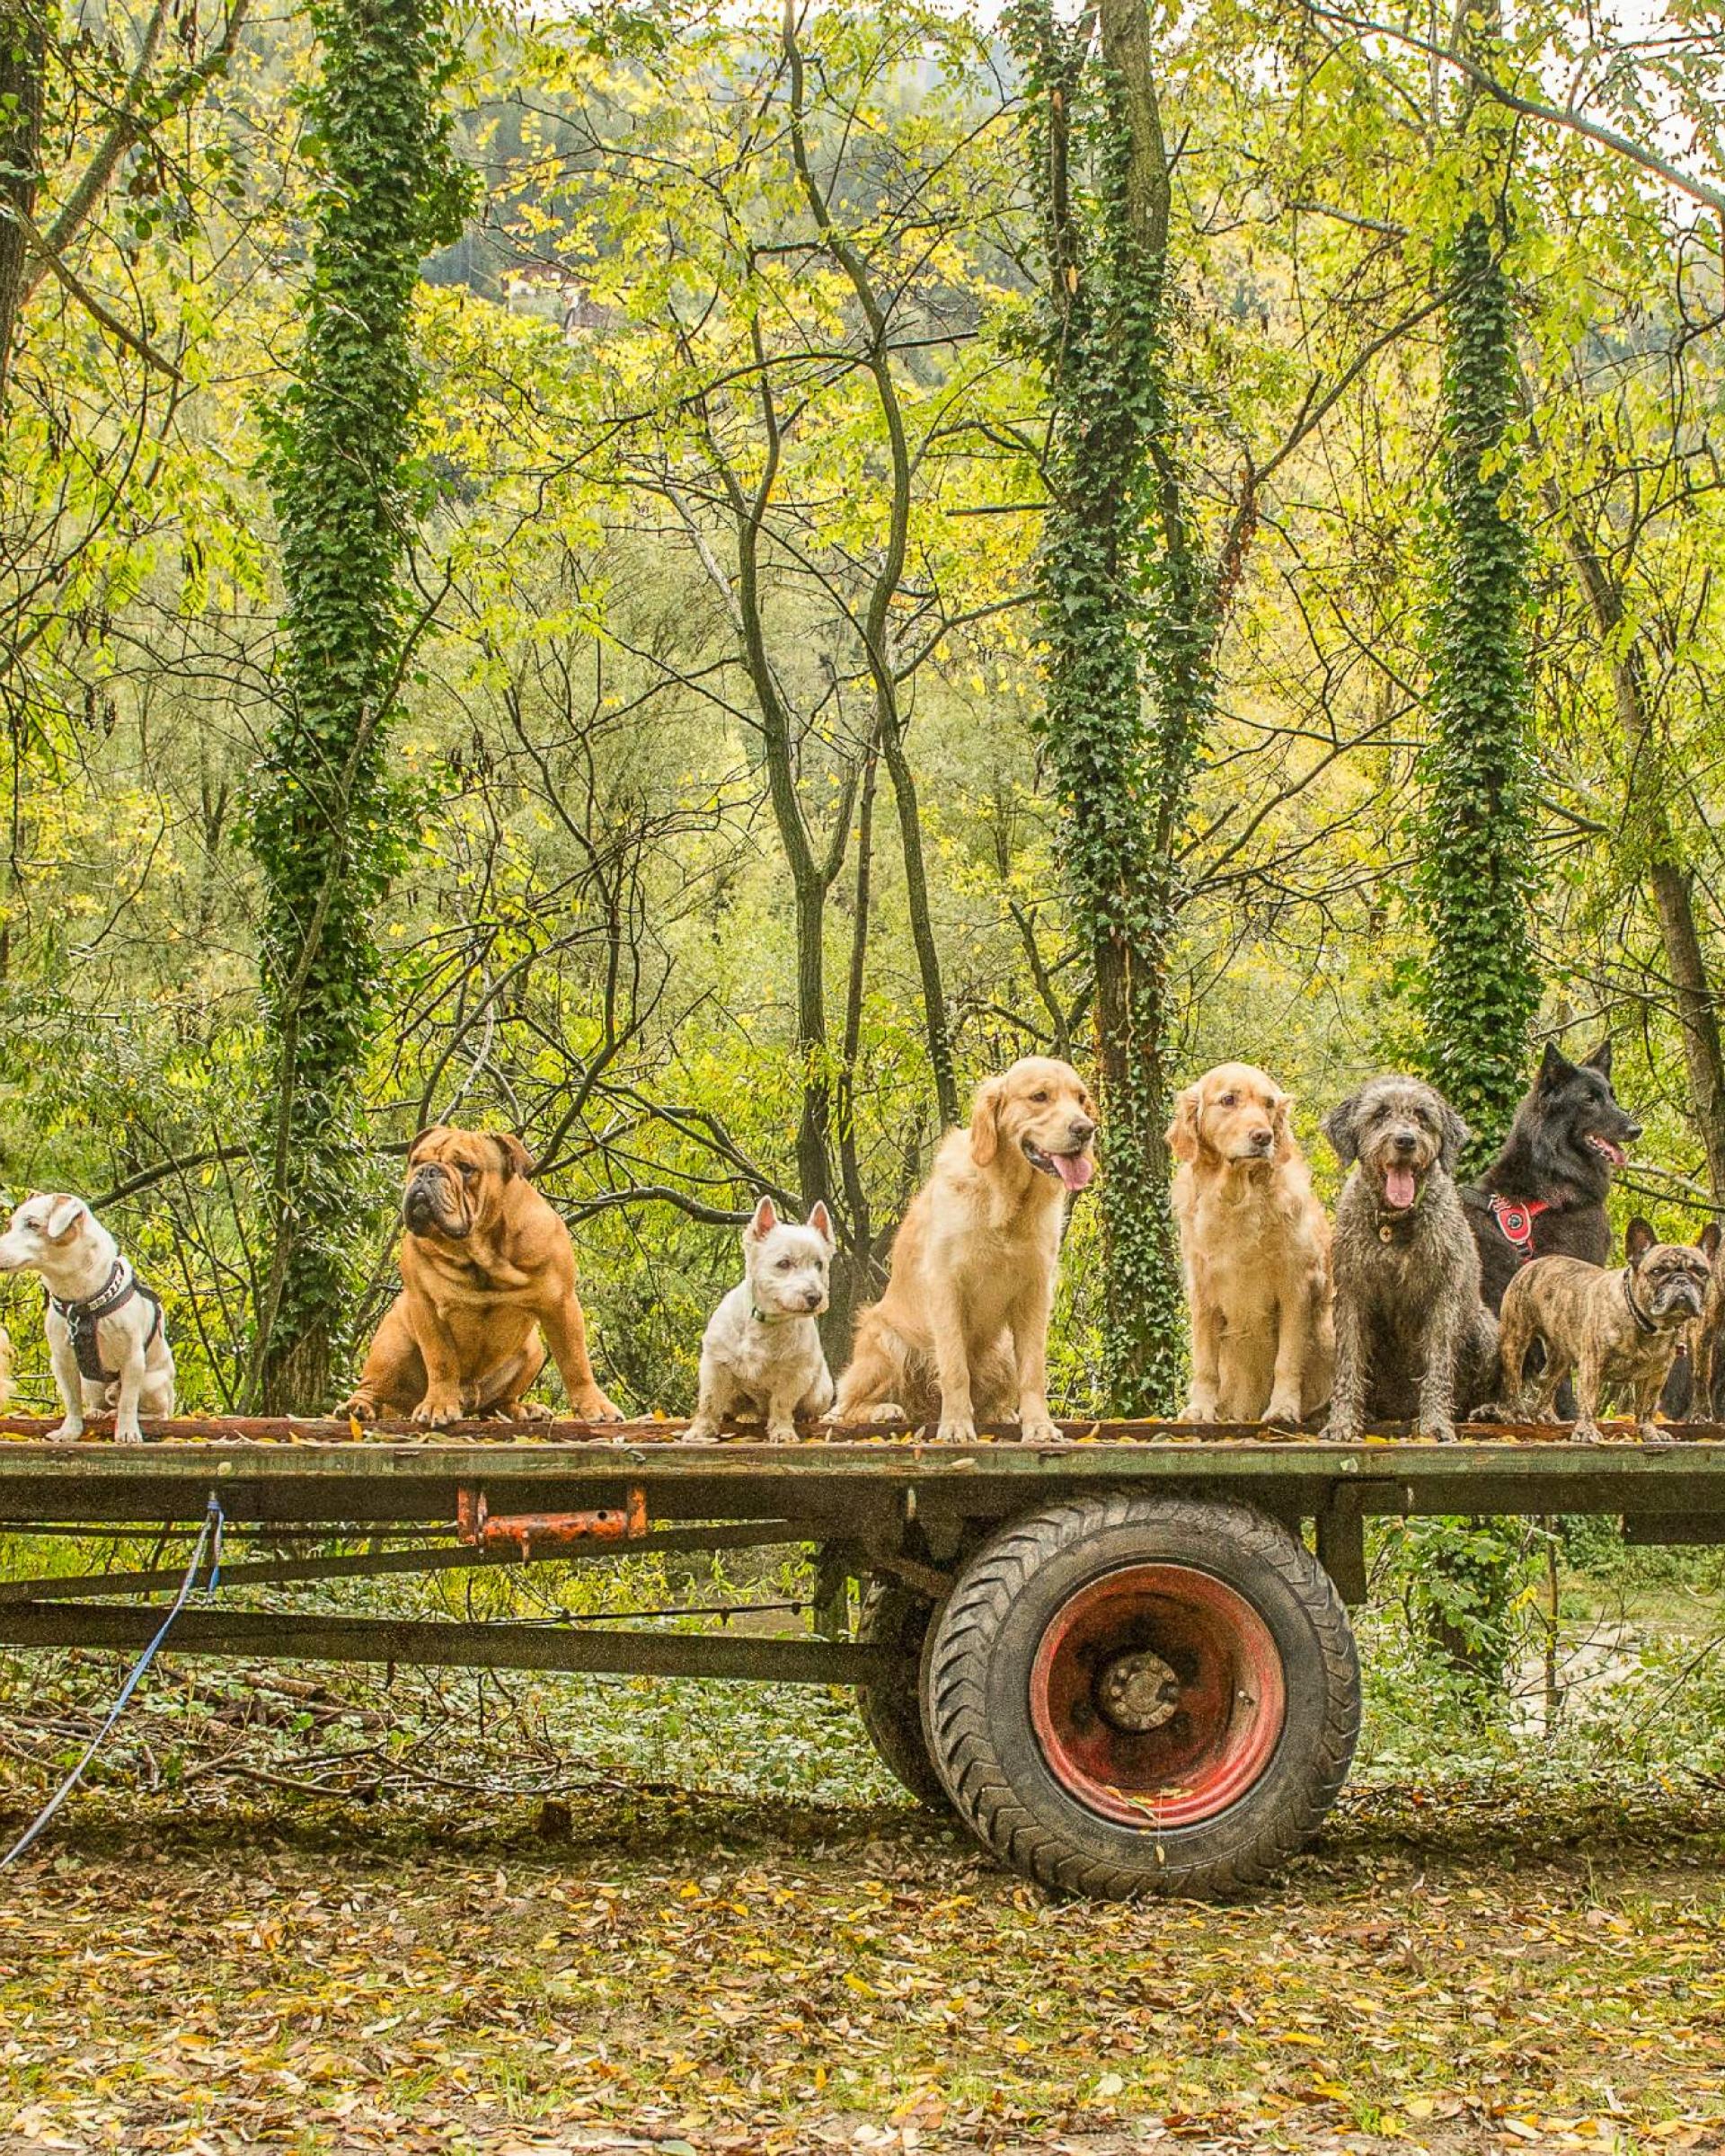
[(1544, 1195)]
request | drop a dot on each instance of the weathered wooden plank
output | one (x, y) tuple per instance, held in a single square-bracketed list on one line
[(272, 1636), (836, 1484)]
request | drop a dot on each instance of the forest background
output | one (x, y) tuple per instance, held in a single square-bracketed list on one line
[(722, 835)]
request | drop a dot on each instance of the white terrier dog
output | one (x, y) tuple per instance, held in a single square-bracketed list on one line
[(762, 1350), (104, 1326)]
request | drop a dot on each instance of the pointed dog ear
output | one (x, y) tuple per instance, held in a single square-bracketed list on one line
[(1553, 1065), (517, 1159), (1600, 1059), (1183, 1132), (431, 1130), (1341, 1127), (1638, 1238), (1456, 1134), (984, 1121), (1707, 1242), (821, 1220), (762, 1221), (64, 1215)]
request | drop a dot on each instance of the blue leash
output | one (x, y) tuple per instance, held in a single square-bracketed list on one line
[(212, 1527)]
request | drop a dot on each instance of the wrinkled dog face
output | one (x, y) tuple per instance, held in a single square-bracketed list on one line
[(1041, 1108), (1234, 1113), (786, 1265), (44, 1227), (1399, 1130), (453, 1178), (1670, 1277)]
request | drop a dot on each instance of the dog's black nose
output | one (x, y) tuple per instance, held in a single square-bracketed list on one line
[(1083, 1130), (1260, 1140), (1406, 1142), (1634, 1130), (811, 1298)]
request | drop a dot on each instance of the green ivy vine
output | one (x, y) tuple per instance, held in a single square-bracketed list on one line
[(327, 824), (1477, 874)]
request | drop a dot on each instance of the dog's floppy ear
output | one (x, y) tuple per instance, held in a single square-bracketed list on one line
[(64, 1215), (1638, 1238), (1456, 1136), (1553, 1065), (1183, 1132), (762, 1221), (1707, 1242), (1281, 1122), (1341, 1127), (431, 1130), (1600, 1060), (517, 1159), (821, 1220), (984, 1121)]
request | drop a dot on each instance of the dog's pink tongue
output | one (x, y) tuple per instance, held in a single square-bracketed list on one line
[(1398, 1186), (1076, 1169)]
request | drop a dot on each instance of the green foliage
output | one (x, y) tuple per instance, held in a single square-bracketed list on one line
[(1128, 639), (327, 824), (1477, 876)]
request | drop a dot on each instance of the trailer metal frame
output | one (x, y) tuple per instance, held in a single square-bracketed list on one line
[(911, 1520)]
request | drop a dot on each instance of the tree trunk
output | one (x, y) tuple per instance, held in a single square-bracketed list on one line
[(1120, 584), (1477, 876), (24, 68), (326, 824), (1669, 880)]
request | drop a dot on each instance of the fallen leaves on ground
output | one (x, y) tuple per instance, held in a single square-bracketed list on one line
[(1449, 1971)]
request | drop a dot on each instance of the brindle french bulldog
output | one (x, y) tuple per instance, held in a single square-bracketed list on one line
[(1610, 1328)]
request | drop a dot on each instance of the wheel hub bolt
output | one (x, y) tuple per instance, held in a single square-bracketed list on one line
[(1136, 1690)]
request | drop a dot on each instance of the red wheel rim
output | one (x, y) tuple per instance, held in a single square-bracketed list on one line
[(1158, 1696)]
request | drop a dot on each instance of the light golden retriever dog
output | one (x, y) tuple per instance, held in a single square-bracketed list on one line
[(1256, 1247), (962, 1333)]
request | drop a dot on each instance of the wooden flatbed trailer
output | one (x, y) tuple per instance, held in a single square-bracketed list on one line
[(1124, 1660)]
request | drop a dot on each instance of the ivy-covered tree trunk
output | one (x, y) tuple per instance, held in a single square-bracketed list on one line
[(23, 67), (1477, 873), (326, 822), (1126, 620)]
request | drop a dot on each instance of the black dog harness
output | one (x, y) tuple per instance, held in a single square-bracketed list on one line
[(82, 1318)]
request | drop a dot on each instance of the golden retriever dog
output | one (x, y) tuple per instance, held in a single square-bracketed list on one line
[(488, 1278), (962, 1333), (1256, 1249)]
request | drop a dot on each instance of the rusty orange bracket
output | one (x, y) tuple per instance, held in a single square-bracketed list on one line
[(534, 1533)]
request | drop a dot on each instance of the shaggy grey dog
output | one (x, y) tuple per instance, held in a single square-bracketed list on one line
[(1413, 1339)]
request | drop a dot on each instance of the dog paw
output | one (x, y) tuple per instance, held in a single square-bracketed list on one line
[(702, 1430), (361, 1408), (1437, 1433), (957, 1429), (437, 1410), (781, 1433), (66, 1433), (594, 1407), (1037, 1430), (127, 1433), (1586, 1432), (1199, 1407), (1336, 1432), (1284, 1413)]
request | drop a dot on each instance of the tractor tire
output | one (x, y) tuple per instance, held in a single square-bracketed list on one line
[(1130, 1695), (891, 1615)]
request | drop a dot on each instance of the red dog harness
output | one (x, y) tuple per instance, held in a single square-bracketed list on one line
[(1516, 1216)]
